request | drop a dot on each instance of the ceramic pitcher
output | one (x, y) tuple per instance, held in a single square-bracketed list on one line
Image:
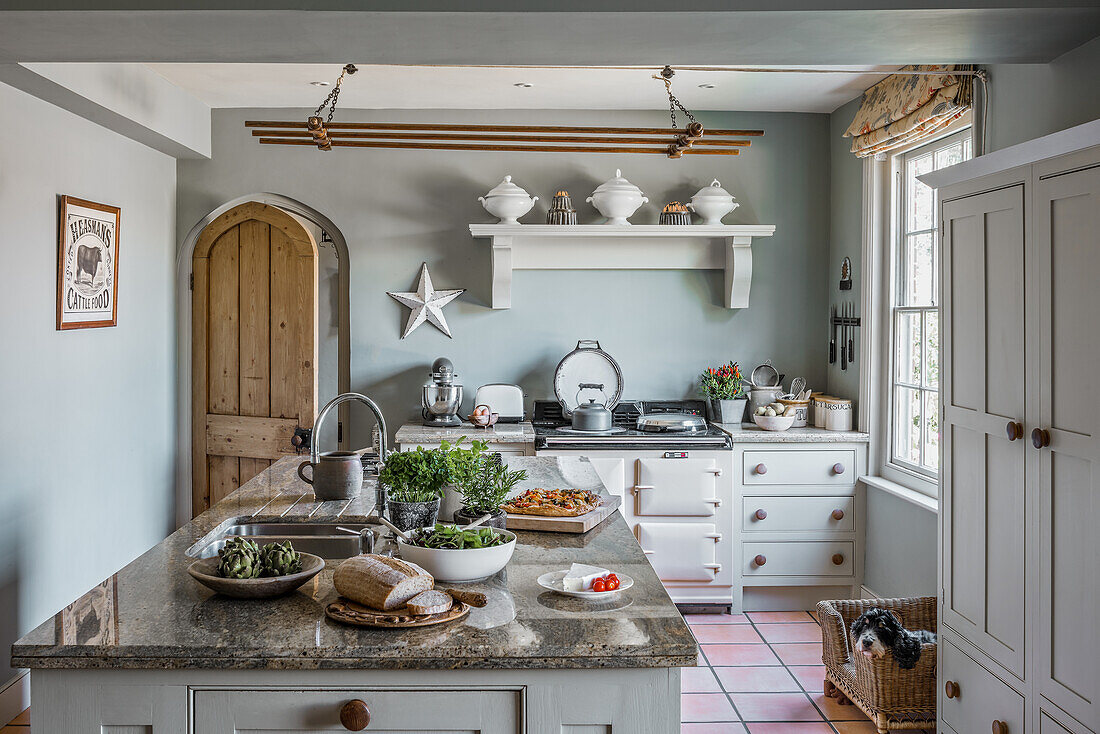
[(337, 475)]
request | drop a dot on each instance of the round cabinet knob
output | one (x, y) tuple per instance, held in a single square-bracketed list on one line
[(760, 469), (838, 468), (999, 727), (355, 715), (951, 689), (1040, 438), (760, 560), (1014, 430), (838, 559), (760, 514), (838, 514)]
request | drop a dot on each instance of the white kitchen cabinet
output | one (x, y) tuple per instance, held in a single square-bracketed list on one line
[(1020, 484), (683, 487), (768, 514), (800, 466), (681, 551), (798, 558)]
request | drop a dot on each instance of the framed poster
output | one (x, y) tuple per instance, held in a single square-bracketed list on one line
[(87, 264)]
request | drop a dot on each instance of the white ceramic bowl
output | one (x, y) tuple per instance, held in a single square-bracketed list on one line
[(774, 422), (469, 564)]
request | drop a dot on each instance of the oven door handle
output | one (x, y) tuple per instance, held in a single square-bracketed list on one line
[(636, 487), (716, 567), (716, 537), (714, 501), (647, 552), (715, 470)]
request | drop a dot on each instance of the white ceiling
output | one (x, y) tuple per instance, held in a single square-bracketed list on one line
[(439, 87)]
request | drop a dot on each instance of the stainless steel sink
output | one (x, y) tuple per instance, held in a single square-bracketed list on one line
[(320, 539)]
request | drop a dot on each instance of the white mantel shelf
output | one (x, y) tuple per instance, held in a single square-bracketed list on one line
[(725, 247)]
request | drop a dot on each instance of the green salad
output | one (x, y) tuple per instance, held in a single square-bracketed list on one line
[(450, 537)]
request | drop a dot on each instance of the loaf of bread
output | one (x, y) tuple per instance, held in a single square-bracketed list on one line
[(430, 602), (380, 582)]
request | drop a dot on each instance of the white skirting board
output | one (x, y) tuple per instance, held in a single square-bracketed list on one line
[(790, 598), (15, 697)]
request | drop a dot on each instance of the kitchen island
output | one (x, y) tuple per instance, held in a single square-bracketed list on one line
[(152, 651)]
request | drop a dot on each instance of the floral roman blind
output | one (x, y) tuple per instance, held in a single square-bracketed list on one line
[(904, 108)]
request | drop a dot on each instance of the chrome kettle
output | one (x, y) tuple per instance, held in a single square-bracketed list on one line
[(591, 416)]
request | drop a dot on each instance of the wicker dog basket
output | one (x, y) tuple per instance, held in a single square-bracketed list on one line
[(893, 698)]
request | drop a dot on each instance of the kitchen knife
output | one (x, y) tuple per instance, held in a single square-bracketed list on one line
[(832, 338), (843, 340), (852, 332)]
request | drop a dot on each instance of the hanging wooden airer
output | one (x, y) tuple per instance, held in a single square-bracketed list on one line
[(323, 133)]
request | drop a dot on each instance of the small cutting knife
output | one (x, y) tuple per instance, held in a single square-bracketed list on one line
[(852, 332), (843, 339), (832, 338)]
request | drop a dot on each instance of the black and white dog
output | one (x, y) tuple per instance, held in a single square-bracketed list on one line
[(878, 630)]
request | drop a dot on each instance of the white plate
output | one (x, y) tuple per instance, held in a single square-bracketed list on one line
[(553, 581)]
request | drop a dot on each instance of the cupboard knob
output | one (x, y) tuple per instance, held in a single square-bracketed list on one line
[(760, 560), (838, 559), (838, 514), (1040, 438), (1014, 430), (951, 689), (760, 514), (999, 727), (355, 715), (761, 469), (838, 468)]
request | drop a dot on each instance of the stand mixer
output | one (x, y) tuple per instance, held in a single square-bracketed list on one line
[(442, 396)]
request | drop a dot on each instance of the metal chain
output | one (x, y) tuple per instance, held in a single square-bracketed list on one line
[(673, 103), (334, 95)]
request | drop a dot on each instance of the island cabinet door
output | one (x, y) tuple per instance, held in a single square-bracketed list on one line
[(302, 712)]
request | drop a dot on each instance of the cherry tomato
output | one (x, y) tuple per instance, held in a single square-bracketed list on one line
[(599, 585), (612, 584), (610, 577)]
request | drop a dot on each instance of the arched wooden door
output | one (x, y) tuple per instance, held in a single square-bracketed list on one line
[(253, 345)]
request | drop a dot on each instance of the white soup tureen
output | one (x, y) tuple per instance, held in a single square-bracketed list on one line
[(712, 203), (507, 202), (617, 199)]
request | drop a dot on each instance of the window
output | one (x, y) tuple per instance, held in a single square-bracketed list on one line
[(912, 440)]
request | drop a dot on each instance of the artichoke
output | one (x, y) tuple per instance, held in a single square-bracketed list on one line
[(240, 559), (280, 559)]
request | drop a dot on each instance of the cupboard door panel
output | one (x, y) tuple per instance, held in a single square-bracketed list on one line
[(983, 488), (681, 551), (983, 697), (676, 487), (1067, 220)]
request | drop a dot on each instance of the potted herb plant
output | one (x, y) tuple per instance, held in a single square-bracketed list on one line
[(724, 388), (414, 486), (462, 464), (485, 489)]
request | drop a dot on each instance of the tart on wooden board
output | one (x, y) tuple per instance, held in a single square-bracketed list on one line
[(553, 502)]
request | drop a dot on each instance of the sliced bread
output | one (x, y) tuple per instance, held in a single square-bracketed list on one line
[(380, 582), (430, 602)]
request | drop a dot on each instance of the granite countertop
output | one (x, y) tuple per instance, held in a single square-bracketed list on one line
[(152, 614), (751, 433), (416, 433)]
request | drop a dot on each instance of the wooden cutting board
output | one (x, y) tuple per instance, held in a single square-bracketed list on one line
[(578, 524), (348, 612)]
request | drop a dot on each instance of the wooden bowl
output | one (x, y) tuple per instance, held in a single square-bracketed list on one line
[(205, 571)]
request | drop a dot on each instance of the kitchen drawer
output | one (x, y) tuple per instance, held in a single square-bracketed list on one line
[(680, 551), (825, 466), (982, 697), (1049, 725), (303, 711), (798, 513), (798, 558), (676, 487)]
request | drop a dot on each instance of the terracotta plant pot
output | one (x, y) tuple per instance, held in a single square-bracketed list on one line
[(466, 516)]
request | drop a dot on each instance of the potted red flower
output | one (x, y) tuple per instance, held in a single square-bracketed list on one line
[(724, 388)]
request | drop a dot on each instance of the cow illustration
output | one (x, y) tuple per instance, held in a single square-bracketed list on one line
[(88, 258)]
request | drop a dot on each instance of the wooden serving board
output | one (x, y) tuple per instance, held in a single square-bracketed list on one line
[(348, 612), (578, 524)]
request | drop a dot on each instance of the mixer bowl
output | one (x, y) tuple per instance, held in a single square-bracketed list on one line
[(441, 401)]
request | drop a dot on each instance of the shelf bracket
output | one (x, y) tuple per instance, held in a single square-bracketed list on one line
[(738, 272), (502, 272)]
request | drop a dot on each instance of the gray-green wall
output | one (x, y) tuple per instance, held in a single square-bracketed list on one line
[(89, 414), (400, 207)]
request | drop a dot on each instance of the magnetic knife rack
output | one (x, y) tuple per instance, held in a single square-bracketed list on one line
[(838, 323)]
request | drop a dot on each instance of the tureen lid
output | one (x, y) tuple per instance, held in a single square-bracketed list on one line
[(507, 188), (715, 190), (617, 184)]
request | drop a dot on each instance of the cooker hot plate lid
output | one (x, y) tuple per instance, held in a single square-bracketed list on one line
[(671, 423)]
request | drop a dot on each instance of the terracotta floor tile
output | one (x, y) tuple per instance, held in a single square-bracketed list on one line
[(791, 632), (811, 677), (706, 707), (698, 680), (23, 719), (835, 712), (712, 728), (799, 653), (788, 727), (856, 727), (779, 617), (701, 660), (716, 619), (725, 633), (739, 655), (775, 707), (756, 679)]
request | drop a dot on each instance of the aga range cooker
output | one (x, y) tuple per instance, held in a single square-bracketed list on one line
[(675, 475)]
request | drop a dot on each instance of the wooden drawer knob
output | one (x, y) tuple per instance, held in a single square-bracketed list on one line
[(951, 689), (838, 559), (999, 727), (760, 469), (838, 514), (760, 560), (838, 468), (760, 514), (354, 715), (1014, 430), (1040, 438)]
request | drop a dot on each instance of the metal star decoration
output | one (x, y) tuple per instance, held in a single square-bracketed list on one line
[(426, 304)]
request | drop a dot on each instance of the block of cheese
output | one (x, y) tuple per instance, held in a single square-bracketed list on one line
[(380, 582), (579, 577), (430, 602)]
